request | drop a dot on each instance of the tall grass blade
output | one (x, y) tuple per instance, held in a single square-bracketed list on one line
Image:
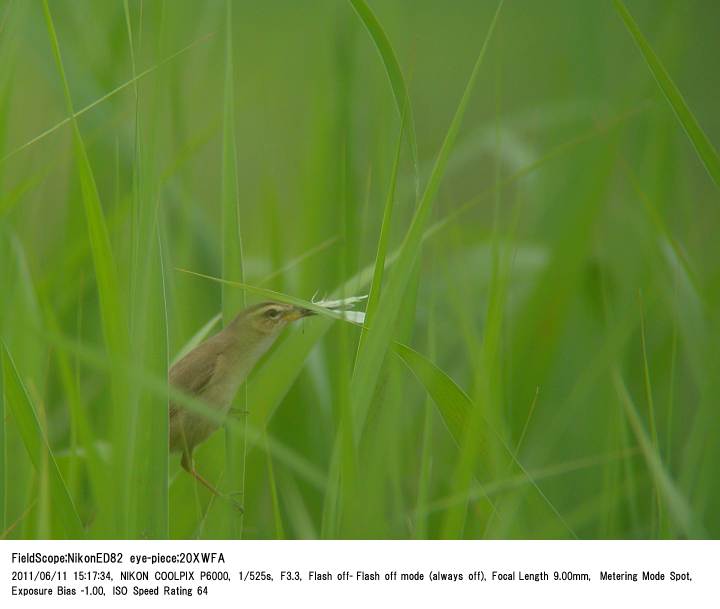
[(383, 240), (395, 75), (232, 269), (23, 413), (96, 466), (425, 471), (702, 144), (146, 451), (369, 359), (679, 509), (274, 496), (3, 455), (111, 309)]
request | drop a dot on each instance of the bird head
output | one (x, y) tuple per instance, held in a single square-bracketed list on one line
[(269, 318)]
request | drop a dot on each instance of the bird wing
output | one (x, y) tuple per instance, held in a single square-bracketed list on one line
[(193, 372)]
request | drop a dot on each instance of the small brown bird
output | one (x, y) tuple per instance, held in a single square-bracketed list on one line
[(214, 371)]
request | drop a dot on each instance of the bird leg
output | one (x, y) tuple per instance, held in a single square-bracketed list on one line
[(189, 467)]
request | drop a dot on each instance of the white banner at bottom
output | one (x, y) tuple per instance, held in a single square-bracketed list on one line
[(357, 573)]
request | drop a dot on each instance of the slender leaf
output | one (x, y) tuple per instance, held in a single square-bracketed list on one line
[(702, 144), (146, 454), (78, 113), (678, 508), (111, 309), (394, 72), (383, 240), (369, 359), (457, 409), (23, 413), (315, 307), (3, 457), (452, 402), (277, 514), (232, 269)]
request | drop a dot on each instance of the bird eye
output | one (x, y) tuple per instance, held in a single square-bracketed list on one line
[(272, 313)]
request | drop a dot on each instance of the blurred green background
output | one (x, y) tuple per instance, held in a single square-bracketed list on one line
[(568, 281)]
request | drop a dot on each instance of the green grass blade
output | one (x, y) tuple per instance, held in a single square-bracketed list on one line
[(503, 485), (232, 247), (233, 270), (145, 454), (457, 411), (420, 514), (679, 509), (397, 82), (111, 308), (78, 113), (703, 146), (96, 467), (277, 514), (3, 457), (24, 415), (383, 241), (452, 402), (105, 268), (650, 403), (369, 359), (275, 295)]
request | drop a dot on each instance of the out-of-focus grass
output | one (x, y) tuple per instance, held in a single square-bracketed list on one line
[(703, 146), (233, 300), (550, 403)]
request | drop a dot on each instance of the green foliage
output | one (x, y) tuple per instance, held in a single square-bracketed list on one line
[(66, 522), (700, 141), (502, 192), (395, 75)]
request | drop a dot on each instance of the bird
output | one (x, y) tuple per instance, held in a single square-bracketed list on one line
[(214, 372)]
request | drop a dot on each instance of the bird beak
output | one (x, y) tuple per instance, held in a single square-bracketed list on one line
[(297, 313)]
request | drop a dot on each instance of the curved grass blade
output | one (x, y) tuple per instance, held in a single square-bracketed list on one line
[(397, 82), (369, 359), (452, 402), (18, 401), (679, 509), (456, 408), (703, 146)]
